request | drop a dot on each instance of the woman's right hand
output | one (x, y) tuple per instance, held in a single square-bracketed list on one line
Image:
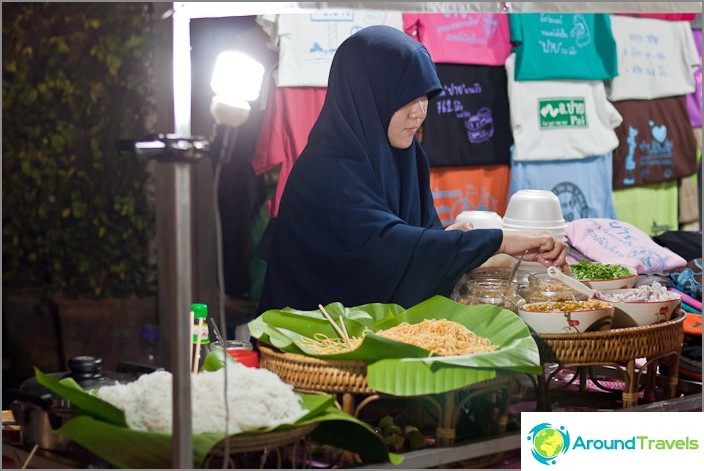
[(541, 247)]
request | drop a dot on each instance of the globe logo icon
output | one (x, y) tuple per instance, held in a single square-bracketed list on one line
[(548, 442)]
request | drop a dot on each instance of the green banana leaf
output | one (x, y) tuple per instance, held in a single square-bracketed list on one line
[(283, 328), (401, 369), (101, 428)]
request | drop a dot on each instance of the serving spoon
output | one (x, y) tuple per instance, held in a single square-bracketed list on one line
[(554, 272)]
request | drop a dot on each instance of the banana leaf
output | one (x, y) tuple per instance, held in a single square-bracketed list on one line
[(401, 369), (101, 428), (283, 328)]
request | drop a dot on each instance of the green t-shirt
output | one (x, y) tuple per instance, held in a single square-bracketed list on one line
[(650, 208), (563, 46)]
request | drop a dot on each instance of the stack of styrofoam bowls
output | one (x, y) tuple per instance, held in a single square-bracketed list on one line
[(535, 210)]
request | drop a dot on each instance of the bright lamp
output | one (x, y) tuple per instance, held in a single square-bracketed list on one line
[(236, 80)]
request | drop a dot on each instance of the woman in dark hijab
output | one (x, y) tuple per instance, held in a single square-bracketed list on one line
[(357, 222)]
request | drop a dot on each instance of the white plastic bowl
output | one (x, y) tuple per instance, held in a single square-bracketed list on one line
[(616, 283), (634, 314), (480, 219), (567, 322), (534, 209)]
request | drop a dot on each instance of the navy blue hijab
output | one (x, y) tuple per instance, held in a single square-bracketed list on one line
[(356, 222)]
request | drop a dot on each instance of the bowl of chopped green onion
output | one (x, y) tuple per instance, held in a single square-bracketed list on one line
[(604, 276)]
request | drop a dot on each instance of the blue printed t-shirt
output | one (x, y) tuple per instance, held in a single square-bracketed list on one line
[(561, 46), (583, 185)]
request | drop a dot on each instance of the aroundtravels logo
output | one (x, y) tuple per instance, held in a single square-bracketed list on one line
[(548, 442)]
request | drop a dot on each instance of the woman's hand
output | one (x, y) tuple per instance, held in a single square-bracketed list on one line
[(542, 247)]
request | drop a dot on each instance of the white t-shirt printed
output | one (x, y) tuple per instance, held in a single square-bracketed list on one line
[(656, 59), (307, 41), (560, 119)]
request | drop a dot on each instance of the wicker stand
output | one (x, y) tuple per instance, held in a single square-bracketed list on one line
[(348, 380), (617, 348), (255, 451)]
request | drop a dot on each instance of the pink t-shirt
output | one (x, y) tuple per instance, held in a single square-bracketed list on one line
[(461, 38), (694, 100), (287, 122)]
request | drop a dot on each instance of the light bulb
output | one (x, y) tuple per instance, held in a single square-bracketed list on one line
[(236, 77)]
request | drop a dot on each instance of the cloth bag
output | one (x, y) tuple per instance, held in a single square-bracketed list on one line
[(613, 241)]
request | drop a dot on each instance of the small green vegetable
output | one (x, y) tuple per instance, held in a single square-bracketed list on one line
[(586, 270)]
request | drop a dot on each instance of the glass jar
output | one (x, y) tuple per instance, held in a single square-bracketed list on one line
[(541, 288), (489, 291), (498, 273)]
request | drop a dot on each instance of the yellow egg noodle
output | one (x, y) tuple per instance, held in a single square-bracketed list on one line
[(321, 344), (440, 336)]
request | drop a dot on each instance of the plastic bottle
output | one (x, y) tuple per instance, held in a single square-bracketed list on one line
[(201, 335)]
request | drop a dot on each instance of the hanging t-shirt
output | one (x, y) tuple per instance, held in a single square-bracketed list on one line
[(307, 41), (563, 46), (288, 119), (651, 208), (656, 58), (689, 201), (560, 119), (457, 189), (664, 16), (573, 182), (656, 143), (694, 100), (461, 38), (468, 122)]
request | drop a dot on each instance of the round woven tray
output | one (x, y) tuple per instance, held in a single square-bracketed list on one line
[(613, 345), (263, 441), (309, 374)]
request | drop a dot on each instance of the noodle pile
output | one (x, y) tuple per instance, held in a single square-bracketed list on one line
[(321, 344), (440, 336), (256, 398)]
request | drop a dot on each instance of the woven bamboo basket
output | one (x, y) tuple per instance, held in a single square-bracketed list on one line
[(315, 375), (263, 441), (613, 345)]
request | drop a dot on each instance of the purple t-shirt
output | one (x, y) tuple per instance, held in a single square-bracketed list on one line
[(694, 100)]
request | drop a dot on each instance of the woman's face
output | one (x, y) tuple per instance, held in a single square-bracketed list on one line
[(406, 121)]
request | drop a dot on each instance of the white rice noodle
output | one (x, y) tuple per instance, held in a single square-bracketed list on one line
[(257, 398)]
